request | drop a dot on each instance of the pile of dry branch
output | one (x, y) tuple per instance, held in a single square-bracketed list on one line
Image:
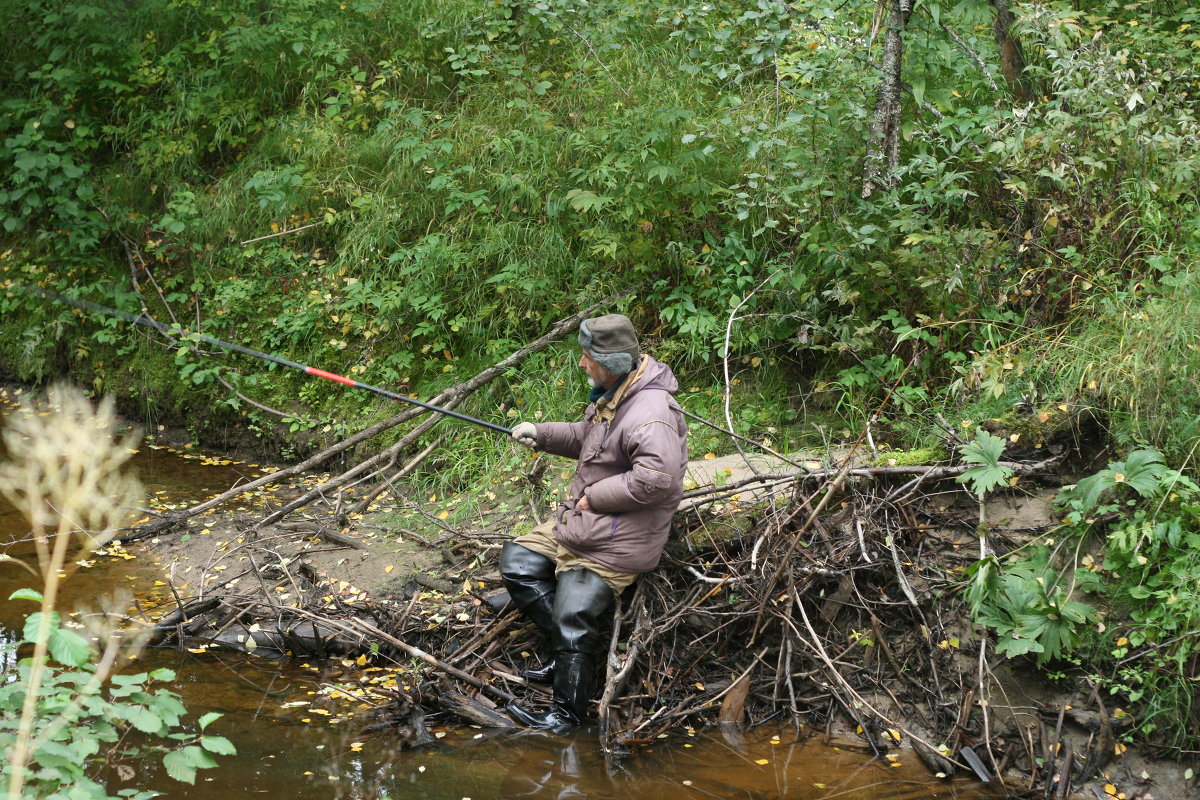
[(823, 594)]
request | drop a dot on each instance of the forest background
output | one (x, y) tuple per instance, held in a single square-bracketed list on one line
[(840, 212)]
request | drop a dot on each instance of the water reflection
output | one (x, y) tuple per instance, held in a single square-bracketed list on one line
[(291, 751)]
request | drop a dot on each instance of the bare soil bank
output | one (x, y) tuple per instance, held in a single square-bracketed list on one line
[(429, 579)]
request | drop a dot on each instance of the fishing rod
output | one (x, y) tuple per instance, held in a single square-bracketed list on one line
[(147, 322)]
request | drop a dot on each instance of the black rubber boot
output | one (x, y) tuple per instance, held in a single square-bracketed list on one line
[(542, 674), (574, 683), (529, 578), (579, 605)]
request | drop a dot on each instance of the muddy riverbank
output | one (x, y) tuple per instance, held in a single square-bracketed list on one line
[(421, 567), (304, 729), (428, 573)]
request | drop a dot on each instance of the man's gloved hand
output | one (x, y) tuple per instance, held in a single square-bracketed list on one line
[(526, 434)]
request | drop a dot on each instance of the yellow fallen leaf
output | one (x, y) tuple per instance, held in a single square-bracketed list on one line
[(1110, 790), (710, 456), (762, 761), (443, 515), (389, 568)]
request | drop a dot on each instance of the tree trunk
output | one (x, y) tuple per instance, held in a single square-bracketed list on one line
[(1012, 57), (883, 143)]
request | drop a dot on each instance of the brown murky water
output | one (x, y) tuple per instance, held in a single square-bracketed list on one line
[(284, 751)]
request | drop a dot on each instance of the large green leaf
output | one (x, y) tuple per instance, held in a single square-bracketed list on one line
[(182, 764), (142, 718), (985, 452), (219, 745), (34, 621), (584, 200), (69, 648)]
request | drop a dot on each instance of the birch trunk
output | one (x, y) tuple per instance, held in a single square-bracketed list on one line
[(883, 143)]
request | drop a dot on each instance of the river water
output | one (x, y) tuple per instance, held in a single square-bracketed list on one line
[(287, 750)]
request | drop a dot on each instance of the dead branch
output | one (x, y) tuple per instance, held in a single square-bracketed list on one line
[(447, 399)]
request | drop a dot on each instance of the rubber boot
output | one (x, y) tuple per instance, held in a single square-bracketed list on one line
[(542, 674), (529, 578), (579, 605)]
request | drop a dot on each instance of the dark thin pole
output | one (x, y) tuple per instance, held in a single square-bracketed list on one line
[(147, 322)]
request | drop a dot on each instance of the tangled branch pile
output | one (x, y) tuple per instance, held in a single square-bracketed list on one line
[(825, 597)]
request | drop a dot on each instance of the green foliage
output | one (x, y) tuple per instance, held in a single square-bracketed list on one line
[(1143, 520), (1149, 517), (485, 170), (1023, 602), (82, 725), (985, 452), (1138, 359)]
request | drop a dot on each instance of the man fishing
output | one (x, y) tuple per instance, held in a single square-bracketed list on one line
[(632, 452)]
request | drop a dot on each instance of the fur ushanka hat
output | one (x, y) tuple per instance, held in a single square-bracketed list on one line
[(611, 342)]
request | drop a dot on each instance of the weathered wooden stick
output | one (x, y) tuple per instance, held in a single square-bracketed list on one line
[(366, 628), (452, 395), (388, 482)]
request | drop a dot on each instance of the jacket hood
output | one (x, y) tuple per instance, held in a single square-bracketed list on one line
[(657, 375)]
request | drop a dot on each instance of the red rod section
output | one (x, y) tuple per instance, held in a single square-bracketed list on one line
[(320, 373)]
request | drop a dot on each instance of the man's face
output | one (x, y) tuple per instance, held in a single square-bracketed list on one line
[(597, 375)]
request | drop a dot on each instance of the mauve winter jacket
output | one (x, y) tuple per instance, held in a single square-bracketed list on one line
[(632, 453)]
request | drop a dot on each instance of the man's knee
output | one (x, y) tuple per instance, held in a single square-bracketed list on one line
[(518, 561), (582, 593)]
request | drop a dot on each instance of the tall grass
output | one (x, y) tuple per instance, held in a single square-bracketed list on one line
[(1139, 361)]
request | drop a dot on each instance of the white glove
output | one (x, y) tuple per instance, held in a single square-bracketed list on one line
[(526, 434)]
